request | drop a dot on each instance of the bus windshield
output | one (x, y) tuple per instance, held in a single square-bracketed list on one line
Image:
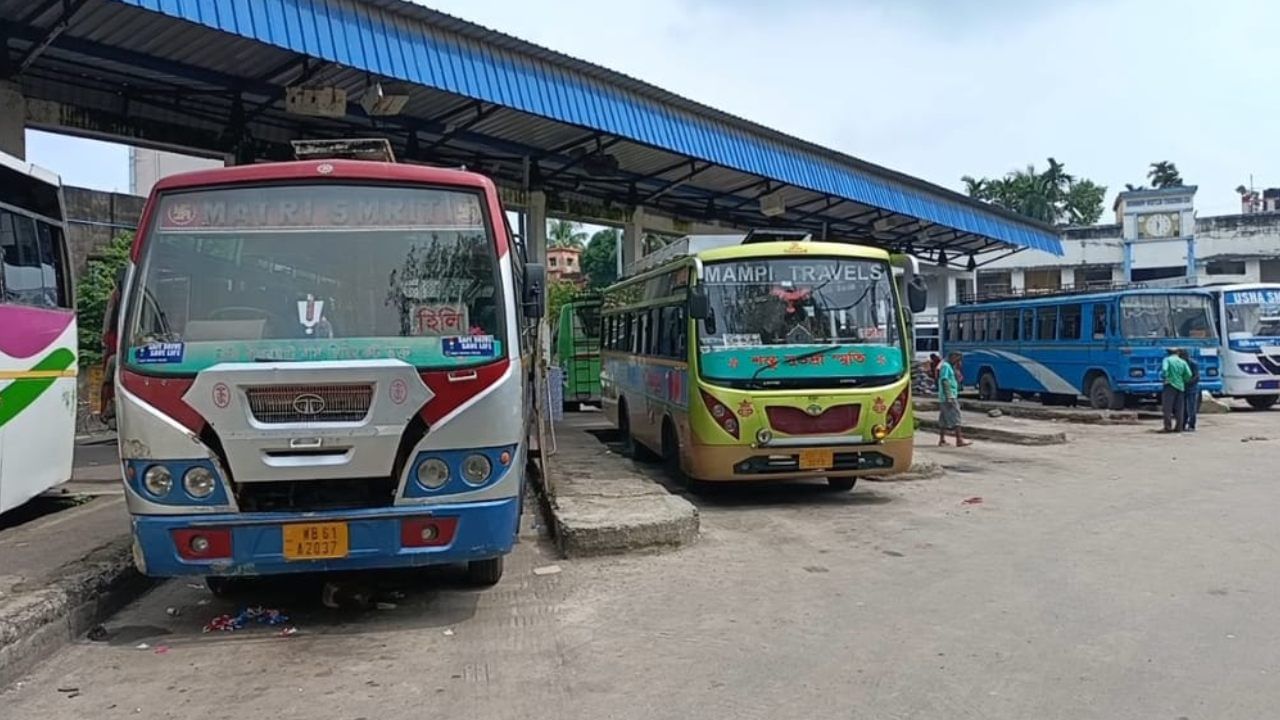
[(813, 321), (316, 272), (1172, 315), (1253, 314)]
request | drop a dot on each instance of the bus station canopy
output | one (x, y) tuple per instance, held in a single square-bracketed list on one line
[(248, 76)]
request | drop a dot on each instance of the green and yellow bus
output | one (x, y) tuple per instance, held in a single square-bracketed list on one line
[(763, 357), (575, 347)]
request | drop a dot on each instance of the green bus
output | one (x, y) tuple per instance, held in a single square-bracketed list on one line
[(575, 347)]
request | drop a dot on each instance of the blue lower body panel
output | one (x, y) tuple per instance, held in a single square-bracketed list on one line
[(484, 530)]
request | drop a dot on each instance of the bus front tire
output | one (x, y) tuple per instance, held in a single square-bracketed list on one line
[(987, 388), (484, 573), (842, 483), (1262, 402), (1102, 397), (624, 429)]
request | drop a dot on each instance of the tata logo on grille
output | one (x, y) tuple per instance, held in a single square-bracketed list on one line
[(814, 410), (308, 404)]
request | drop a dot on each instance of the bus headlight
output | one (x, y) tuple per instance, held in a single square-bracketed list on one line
[(158, 480), (198, 482), (879, 432), (1137, 372), (433, 473), (476, 469), (763, 436)]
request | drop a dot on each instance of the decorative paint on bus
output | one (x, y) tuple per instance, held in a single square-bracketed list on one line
[(798, 369)]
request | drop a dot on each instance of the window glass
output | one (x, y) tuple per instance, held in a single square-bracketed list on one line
[(1028, 324), (24, 273), (1047, 320), (1099, 321), (1070, 321), (1009, 325)]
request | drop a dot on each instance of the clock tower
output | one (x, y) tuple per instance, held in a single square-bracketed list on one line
[(1156, 225)]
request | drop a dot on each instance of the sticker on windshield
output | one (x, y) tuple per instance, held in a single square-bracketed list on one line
[(160, 353), (469, 346), (440, 319)]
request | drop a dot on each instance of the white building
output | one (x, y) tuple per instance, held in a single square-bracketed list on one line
[(146, 167), (1157, 241)]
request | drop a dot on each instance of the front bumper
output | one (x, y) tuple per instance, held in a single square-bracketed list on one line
[(484, 530), (740, 462)]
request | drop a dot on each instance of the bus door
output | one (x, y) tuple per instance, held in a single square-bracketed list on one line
[(1101, 333)]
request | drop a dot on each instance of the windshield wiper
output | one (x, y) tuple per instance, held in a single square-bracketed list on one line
[(795, 360)]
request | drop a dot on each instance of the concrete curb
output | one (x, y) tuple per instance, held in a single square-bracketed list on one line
[(1084, 417), (585, 527), (1010, 437), (35, 624), (604, 505)]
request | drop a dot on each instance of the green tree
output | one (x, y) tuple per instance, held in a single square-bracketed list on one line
[(94, 290), (600, 259), (1164, 174), (559, 293), (565, 234), (1053, 196)]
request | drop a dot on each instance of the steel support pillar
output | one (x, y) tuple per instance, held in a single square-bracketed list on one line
[(13, 120)]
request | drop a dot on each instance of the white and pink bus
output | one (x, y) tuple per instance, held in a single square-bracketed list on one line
[(323, 366), (37, 335)]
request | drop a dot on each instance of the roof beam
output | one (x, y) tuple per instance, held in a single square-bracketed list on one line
[(69, 9), (482, 112), (694, 170)]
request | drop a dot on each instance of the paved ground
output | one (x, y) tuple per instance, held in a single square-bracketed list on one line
[(1124, 575)]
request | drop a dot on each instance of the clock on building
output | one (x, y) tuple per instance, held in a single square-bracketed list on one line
[(1158, 225)]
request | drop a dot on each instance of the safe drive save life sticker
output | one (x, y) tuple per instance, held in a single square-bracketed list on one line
[(159, 353), (469, 346)]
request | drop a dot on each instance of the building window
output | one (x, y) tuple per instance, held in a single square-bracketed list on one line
[(551, 261), (994, 283), (1225, 267), (1044, 279), (1094, 276)]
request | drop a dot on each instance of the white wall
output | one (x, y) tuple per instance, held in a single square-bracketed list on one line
[(146, 167)]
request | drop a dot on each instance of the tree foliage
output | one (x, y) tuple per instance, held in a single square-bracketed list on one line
[(1164, 174), (600, 260), (559, 293), (94, 290), (1053, 196), (565, 234)]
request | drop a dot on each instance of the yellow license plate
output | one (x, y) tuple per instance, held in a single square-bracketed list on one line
[(315, 541), (816, 459)]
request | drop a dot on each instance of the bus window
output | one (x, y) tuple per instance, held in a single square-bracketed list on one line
[(1070, 316), (1029, 324), (966, 327), (1009, 325), (1099, 321), (953, 327), (995, 325), (1047, 323)]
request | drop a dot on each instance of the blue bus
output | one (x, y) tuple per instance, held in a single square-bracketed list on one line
[(1107, 346)]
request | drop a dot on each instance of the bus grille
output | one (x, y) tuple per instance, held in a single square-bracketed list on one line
[(794, 421), (278, 404)]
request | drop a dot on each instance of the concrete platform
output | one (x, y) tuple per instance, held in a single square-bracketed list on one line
[(604, 504)]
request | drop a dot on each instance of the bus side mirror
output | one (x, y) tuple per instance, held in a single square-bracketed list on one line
[(535, 282), (699, 306), (917, 294)]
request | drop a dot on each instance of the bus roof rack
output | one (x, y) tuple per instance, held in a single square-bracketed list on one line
[(1000, 294), (775, 235), (372, 149)]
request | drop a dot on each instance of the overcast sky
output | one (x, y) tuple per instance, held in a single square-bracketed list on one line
[(934, 88)]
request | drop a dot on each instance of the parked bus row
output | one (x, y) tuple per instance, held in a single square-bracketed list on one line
[(1108, 346)]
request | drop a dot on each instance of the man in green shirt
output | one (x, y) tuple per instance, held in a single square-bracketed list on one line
[(949, 400), (1175, 373)]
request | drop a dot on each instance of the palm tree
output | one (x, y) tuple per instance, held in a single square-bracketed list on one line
[(565, 234), (1164, 174), (1053, 196)]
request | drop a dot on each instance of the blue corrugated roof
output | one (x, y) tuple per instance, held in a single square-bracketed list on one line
[(397, 45)]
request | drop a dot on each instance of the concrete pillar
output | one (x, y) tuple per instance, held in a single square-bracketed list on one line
[(13, 120), (632, 240), (1068, 277), (535, 242), (1191, 256), (1017, 280), (1128, 262)]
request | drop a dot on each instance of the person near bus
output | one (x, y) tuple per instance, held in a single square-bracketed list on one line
[(1175, 373), (1191, 396), (949, 400)]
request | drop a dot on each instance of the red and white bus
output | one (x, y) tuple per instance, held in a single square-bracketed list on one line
[(323, 366)]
